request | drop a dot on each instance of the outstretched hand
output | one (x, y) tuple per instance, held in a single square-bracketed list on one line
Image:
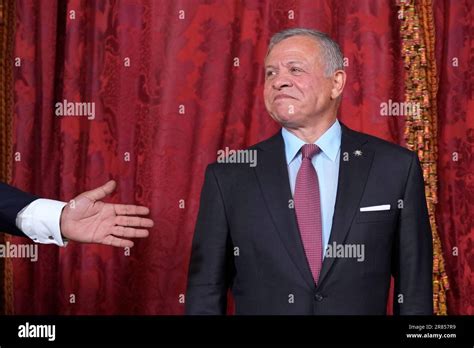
[(89, 220)]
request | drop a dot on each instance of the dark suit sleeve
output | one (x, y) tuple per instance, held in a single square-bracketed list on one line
[(12, 201), (208, 276), (413, 252)]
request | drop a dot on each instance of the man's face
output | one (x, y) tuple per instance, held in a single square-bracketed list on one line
[(296, 91)]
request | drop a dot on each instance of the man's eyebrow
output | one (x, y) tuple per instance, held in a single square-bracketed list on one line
[(287, 63), (295, 62)]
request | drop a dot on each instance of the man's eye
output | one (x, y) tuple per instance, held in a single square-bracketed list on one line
[(295, 69), (269, 73)]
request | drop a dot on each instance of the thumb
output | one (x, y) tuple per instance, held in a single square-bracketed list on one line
[(100, 192)]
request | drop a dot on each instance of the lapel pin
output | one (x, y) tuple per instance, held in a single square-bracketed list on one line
[(358, 153)]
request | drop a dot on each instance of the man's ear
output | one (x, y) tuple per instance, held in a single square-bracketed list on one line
[(338, 81)]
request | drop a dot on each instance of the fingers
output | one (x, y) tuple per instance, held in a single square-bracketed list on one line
[(102, 191), (133, 221), (126, 232), (117, 242), (128, 209), (129, 232)]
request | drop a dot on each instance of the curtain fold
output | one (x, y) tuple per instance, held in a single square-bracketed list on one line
[(7, 34)]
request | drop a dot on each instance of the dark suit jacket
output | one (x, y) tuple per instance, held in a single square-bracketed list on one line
[(247, 237), (12, 201)]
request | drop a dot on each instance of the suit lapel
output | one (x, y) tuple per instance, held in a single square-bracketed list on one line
[(272, 175), (353, 173)]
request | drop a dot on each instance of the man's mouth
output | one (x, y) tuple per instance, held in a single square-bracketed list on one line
[(283, 96)]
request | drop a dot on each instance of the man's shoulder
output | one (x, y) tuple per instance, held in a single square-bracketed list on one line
[(241, 159), (379, 145), (274, 141), (383, 149)]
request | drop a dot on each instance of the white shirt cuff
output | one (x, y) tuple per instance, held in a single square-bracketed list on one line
[(39, 220)]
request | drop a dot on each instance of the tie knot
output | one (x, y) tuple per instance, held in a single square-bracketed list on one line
[(309, 150)]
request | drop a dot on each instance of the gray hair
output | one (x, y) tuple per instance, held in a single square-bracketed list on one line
[(330, 50)]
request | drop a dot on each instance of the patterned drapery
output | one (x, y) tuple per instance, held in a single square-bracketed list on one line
[(173, 82)]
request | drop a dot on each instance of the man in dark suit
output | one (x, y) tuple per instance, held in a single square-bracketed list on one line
[(84, 219), (327, 215)]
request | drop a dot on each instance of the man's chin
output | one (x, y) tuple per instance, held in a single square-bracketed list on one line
[(285, 120)]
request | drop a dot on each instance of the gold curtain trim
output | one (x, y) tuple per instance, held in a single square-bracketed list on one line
[(421, 86)]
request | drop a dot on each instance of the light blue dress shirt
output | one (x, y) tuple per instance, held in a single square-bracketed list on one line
[(326, 164)]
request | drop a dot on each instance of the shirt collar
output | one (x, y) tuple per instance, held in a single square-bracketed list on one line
[(329, 142)]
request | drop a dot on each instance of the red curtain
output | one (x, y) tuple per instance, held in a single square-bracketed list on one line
[(175, 81), (455, 214)]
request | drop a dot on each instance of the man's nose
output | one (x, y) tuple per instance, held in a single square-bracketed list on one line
[(281, 81)]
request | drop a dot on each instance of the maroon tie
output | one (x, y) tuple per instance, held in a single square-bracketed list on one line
[(308, 210)]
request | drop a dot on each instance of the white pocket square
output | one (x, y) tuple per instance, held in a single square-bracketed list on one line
[(376, 208)]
